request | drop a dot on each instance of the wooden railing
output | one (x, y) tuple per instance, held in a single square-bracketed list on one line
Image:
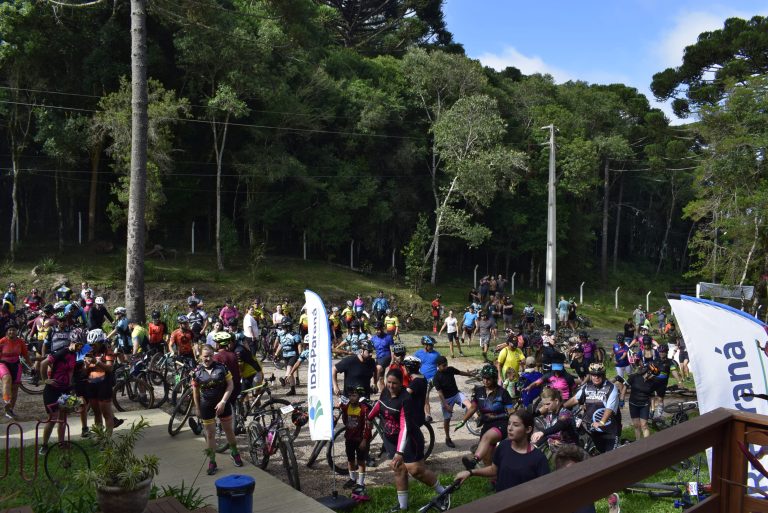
[(578, 485)]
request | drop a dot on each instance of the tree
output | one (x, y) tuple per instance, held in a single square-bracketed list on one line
[(737, 51)]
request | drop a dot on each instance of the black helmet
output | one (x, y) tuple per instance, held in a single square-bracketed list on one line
[(583, 334), (378, 325), (547, 327), (155, 314), (619, 338), (354, 324), (48, 309), (663, 348), (647, 340), (286, 323)]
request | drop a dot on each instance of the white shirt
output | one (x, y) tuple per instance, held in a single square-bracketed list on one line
[(250, 326), (451, 324)]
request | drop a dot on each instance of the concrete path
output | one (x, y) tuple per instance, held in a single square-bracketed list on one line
[(182, 460)]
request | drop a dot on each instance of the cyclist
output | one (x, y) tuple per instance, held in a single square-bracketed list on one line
[(468, 324), (403, 440), (34, 301), (198, 320), (359, 307), (9, 298), (303, 323), (63, 293), (358, 369), (642, 384), (58, 368), (529, 317), (621, 355), (444, 382), (97, 314), (351, 342), (98, 370), (122, 334), (251, 371), (510, 357), (600, 399), (451, 327), (228, 312), (347, 316), (380, 306), (578, 364), (417, 387), (335, 324), (515, 462), (588, 346), (183, 339), (428, 358), (483, 330), (382, 343), (357, 438), (139, 337), (392, 324), (225, 345), (667, 368), (158, 333), (554, 424), (398, 355), (212, 387), (495, 405), (12, 349), (508, 313), (436, 312), (288, 345)]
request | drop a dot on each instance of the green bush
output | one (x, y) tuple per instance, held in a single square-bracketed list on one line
[(48, 265)]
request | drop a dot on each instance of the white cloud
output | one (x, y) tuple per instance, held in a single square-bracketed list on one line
[(510, 56)]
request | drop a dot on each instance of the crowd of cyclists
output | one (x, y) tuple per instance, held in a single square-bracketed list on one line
[(538, 390)]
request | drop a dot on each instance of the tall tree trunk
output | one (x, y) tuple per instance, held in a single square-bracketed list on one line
[(249, 210), (95, 160), (663, 251), (606, 202), (684, 256), (134, 258), (14, 198), (751, 250), (219, 149), (532, 273), (617, 233), (59, 214)]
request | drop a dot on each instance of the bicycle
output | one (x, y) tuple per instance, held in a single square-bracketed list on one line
[(130, 385), (678, 414), (64, 457), (435, 503), (267, 434), (677, 389)]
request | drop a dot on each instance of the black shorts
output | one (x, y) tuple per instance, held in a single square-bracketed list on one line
[(290, 360), (354, 452), (385, 361), (208, 409), (500, 426), (530, 320), (81, 388), (414, 447), (51, 395), (99, 390), (683, 356), (639, 412), (452, 336), (467, 331), (660, 387)]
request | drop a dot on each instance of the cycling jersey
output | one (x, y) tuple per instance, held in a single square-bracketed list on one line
[(529, 312), (123, 333), (397, 415), (665, 366), (391, 323), (249, 365), (401, 368), (196, 320), (228, 313), (157, 332), (560, 426), (492, 407), (380, 304), (212, 381), (355, 418), (595, 400), (63, 293), (33, 302), (348, 314), (621, 354), (140, 338), (289, 344), (353, 341), (382, 345), (359, 306), (59, 338), (183, 341), (13, 350), (436, 308)]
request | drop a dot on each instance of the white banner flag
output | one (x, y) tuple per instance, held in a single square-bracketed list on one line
[(728, 349), (319, 386)]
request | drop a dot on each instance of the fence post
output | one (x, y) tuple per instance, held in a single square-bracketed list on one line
[(647, 304), (581, 293), (394, 250), (698, 290), (513, 282), (475, 278), (616, 300), (352, 254), (193, 237)]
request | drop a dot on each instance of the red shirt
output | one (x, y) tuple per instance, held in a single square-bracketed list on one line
[(229, 359), (12, 350), (183, 341)]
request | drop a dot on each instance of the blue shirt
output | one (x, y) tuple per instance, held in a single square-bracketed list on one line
[(469, 319), (381, 344), (380, 304), (428, 362), (563, 306)]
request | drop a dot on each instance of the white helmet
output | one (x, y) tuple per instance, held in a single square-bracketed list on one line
[(349, 303), (96, 335), (99, 300), (120, 310)]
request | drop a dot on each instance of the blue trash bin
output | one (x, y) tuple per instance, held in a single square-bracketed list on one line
[(235, 493)]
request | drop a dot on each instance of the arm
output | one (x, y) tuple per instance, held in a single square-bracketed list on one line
[(227, 393), (490, 472), (334, 376)]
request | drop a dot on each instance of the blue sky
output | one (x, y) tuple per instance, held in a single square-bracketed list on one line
[(599, 41)]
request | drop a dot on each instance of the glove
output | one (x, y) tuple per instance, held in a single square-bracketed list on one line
[(459, 425), (621, 403)]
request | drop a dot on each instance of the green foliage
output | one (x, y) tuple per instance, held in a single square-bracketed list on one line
[(229, 242), (48, 265), (118, 465), (415, 266), (189, 496), (68, 499)]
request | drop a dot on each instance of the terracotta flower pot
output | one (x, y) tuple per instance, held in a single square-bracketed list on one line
[(114, 499)]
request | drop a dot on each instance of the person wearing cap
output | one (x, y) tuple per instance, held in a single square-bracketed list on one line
[(638, 317), (508, 313), (428, 357), (228, 312), (557, 378), (599, 399), (358, 369), (97, 314), (449, 394), (194, 296)]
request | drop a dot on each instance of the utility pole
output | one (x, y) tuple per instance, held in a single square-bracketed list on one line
[(549, 286)]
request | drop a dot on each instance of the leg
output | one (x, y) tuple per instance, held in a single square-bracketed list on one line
[(427, 407), (644, 428), (638, 428), (487, 444)]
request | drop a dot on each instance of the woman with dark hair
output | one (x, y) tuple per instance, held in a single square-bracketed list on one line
[(403, 439), (516, 460)]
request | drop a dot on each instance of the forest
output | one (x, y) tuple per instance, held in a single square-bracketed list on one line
[(363, 129)]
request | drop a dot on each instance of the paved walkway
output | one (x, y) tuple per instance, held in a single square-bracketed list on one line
[(182, 460)]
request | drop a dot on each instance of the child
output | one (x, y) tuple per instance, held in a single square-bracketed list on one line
[(530, 374), (568, 455), (357, 437), (510, 382), (449, 394)]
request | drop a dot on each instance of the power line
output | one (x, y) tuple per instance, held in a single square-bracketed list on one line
[(201, 175), (243, 125)]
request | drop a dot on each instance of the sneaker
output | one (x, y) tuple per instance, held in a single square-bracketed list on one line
[(282, 381), (359, 494), (212, 468), (450, 443), (292, 391), (469, 462), (86, 433), (117, 423), (444, 503), (10, 415), (237, 460), (43, 449), (396, 509), (350, 484)]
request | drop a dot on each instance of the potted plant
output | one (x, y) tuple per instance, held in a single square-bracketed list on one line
[(122, 480)]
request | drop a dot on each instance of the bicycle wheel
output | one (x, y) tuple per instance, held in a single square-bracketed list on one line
[(30, 382), (474, 426), (136, 394), (680, 406), (180, 413), (159, 387), (429, 439), (257, 441), (335, 454), (289, 460), (275, 405), (63, 459)]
